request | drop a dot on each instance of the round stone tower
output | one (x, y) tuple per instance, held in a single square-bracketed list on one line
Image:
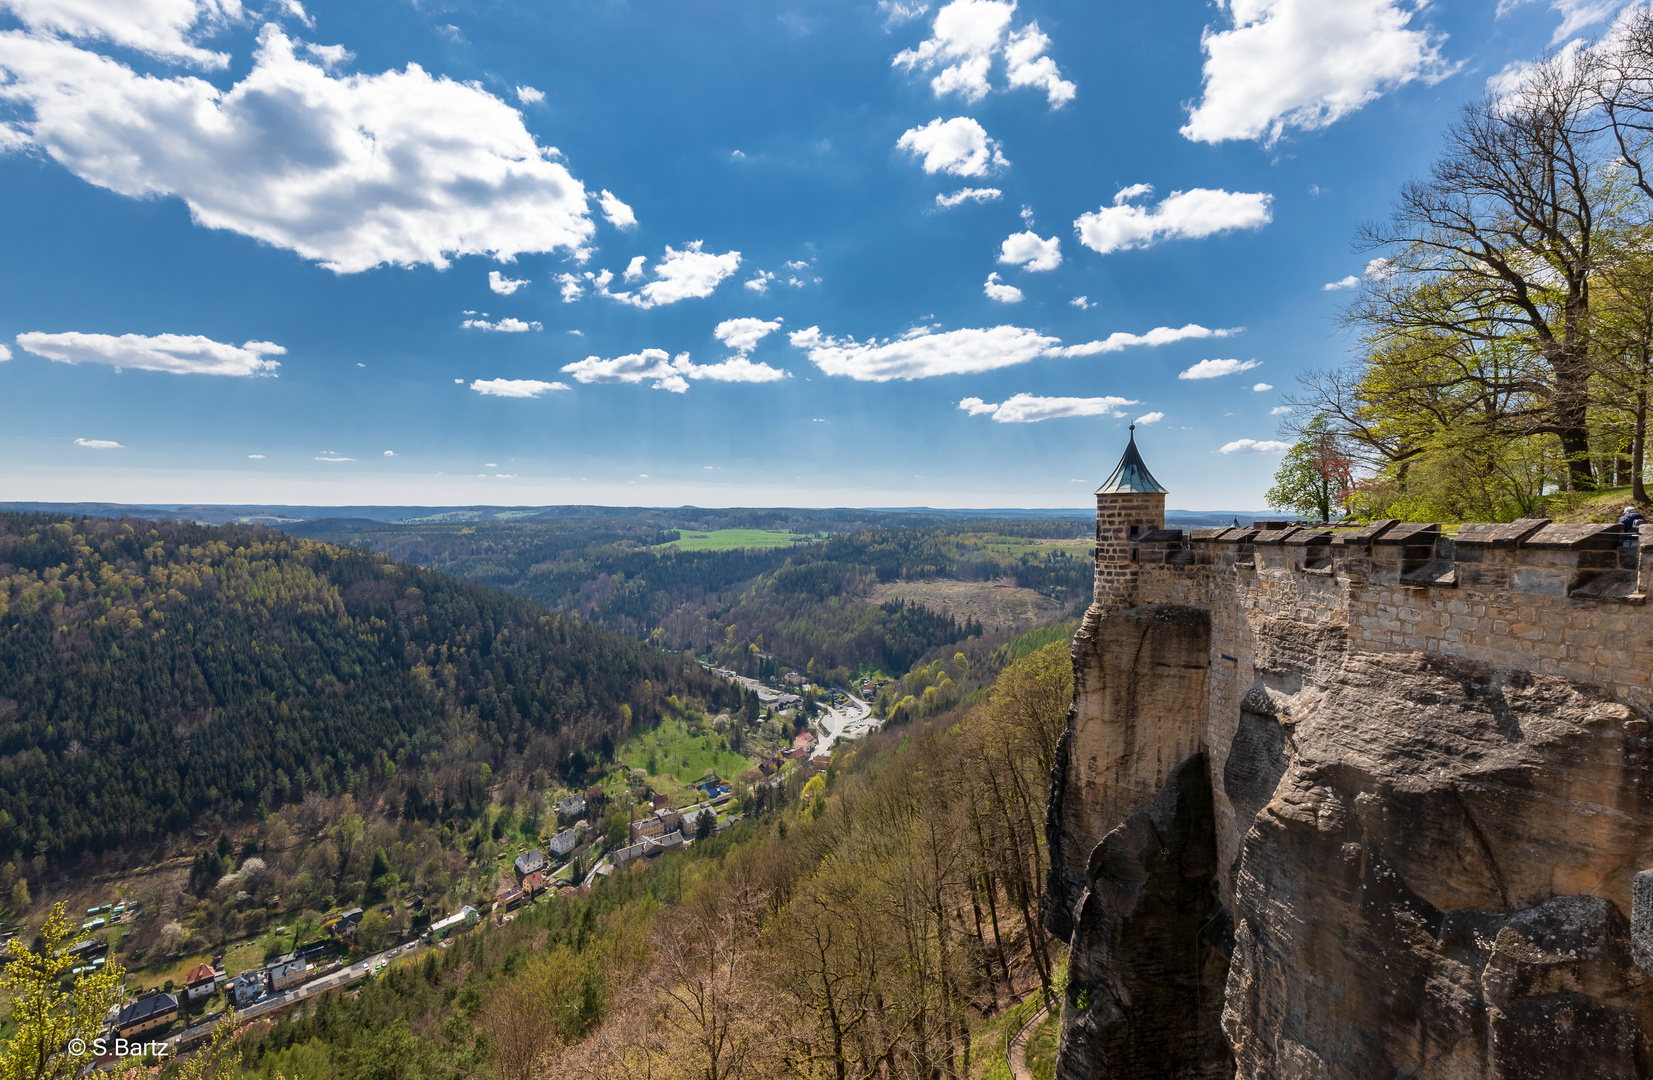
[(1129, 504)]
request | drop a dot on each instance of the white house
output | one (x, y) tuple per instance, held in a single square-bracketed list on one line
[(564, 842)]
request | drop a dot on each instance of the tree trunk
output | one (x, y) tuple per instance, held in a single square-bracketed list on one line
[(1638, 449)]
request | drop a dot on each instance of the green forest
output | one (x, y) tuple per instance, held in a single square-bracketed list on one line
[(155, 673)]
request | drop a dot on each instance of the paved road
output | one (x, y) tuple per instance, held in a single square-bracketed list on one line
[(851, 721)]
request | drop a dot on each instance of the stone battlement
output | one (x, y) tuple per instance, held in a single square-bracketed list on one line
[(1531, 595)]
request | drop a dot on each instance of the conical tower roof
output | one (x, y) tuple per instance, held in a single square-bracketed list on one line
[(1131, 475)]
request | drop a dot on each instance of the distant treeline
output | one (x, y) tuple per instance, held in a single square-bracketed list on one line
[(153, 672)]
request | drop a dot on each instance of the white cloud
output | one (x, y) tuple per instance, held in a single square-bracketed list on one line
[(503, 326), (1031, 409), (1254, 446), (634, 269), (1130, 192), (1306, 64), (1213, 369), (161, 28), (99, 444), (1341, 283), (969, 194), (1280, 410), (964, 39), (1262, 386), (760, 284), (255, 457), (743, 335), (921, 353), (576, 333), (353, 171), (1377, 269), (1026, 250), (680, 275), (572, 287), (668, 373), (180, 354), (503, 285), (5, 353), (333, 457), (1181, 215), (390, 453), (1149, 418), (997, 290), (1159, 335), (1083, 303), (618, 213), (529, 96), (958, 147), (900, 11), (1575, 14), (515, 388)]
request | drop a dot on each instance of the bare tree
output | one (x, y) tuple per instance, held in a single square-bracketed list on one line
[(1497, 247)]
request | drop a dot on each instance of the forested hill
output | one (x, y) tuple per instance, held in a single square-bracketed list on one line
[(152, 673)]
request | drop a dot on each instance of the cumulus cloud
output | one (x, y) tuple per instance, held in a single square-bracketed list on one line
[(390, 453), (1159, 335), (1341, 283), (760, 283), (997, 290), (969, 194), (1375, 268), (1182, 215), (922, 353), (160, 28), (180, 354), (1280, 410), (515, 388), (966, 37), (618, 213), (634, 269), (1083, 303), (900, 11), (5, 353), (351, 171), (1026, 250), (958, 147), (503, 285), (503, 326), (571, 287), (1307, 64), (1254, 446), (1149, 418), (679, 275), (99, 444), (1262, 386), (1214, 369), (665, 372), (255, 457), (743, 335), (1031, 409), (529, 96), (1575, 14)]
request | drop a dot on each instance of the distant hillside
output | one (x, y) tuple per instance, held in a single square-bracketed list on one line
[(154, 673)]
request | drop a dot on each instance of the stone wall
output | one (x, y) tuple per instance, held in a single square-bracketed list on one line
[(1122, 521), (1377, 798)]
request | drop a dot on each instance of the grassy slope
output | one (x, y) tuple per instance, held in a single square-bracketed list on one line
[(732, 539)]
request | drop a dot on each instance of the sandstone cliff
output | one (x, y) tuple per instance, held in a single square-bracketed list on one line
[(1288, 844)]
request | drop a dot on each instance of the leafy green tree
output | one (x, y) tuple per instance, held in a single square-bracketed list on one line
[(1314, 476), (53, 1022), (20, 900)]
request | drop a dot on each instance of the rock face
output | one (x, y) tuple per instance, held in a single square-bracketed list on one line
[(1431, 874)]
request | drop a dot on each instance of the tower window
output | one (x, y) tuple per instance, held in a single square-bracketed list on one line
[(1136, 530)]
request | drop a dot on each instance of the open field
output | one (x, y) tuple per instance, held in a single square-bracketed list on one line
[(996, 603), (731, 539), (671, 752), (1079, 548)]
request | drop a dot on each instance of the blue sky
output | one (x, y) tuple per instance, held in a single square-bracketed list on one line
[(714, 253)]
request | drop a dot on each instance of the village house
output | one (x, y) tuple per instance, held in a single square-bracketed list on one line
[(146, 1014), (287, 975), (512, 898), (529, 861), (564, 842), (465, 916), (249, 987), (345, 925), (691, 820), (533, 883), (199, 983), (571, 807)]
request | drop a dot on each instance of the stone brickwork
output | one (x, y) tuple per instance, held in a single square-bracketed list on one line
[(1123, 522)]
